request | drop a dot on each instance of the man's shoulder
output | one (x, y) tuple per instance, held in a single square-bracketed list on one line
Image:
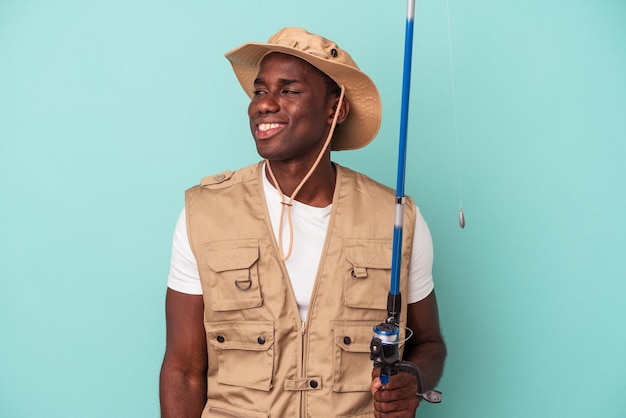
[(370, 188), (360, 178), (230, 178)]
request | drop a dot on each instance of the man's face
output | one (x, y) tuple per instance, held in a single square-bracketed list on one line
[(290, 113)]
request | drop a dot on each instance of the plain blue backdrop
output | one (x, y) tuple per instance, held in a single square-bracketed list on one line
[(109, 110)]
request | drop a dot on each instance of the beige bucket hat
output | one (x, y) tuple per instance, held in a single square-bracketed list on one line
[(363, 121)]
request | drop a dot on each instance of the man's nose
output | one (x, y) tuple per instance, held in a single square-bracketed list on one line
[(267, 103)]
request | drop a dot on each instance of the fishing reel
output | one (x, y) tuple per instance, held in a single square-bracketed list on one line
[(385, 354)]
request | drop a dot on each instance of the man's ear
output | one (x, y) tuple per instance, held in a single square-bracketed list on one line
[(343, 110)]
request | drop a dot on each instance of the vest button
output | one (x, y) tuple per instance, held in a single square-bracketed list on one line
[(261, 340), (313, 383), (347, 340), (219, 177), (220, 339)]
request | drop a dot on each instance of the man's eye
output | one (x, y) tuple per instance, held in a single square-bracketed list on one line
[(256, 92), (291, 92)]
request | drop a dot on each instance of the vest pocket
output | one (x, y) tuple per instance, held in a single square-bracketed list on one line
[(224, 410), (244, 352), (352, 367), (234, 276), (367, 273)]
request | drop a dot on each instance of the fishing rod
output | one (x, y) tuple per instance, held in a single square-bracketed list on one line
[(384, 345)]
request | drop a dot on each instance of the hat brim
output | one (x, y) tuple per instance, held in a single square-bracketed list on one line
[(363, 122)]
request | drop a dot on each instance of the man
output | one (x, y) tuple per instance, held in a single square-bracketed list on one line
[(280, 270)]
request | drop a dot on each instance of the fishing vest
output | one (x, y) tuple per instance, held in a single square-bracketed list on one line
[(263, 361)]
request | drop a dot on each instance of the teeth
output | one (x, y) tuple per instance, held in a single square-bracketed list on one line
[(267, 126)]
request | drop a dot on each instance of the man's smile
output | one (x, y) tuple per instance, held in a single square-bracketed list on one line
[(266, 130), (264, 127)]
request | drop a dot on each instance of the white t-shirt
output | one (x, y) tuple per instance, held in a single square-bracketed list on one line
[(309, 233)]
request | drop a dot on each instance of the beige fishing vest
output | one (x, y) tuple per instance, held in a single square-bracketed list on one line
[(263, 361)]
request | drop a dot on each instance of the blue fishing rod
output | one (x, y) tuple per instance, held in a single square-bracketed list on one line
[(385, 342)]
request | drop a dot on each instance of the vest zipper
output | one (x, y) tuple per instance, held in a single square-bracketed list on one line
[(302, 358)]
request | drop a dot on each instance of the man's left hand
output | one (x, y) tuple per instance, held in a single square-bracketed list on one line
[(398, 398)]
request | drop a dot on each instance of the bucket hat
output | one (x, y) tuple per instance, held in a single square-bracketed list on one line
[(363, 121)]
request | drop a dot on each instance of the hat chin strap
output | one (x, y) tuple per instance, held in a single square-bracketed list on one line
[(288, 204)]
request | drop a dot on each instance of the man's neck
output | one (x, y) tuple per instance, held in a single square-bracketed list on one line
[(317, 191)]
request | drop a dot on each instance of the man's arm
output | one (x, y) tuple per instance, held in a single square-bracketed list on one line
[(426, 349), (183, 374)]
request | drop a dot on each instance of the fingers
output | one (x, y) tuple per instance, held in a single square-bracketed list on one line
[(397, 399), (376, 386), (398, 409), (395, 404)]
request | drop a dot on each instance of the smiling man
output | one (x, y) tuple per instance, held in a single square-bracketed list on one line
[(281, 269)]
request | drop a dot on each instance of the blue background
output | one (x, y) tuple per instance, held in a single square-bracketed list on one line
[(109, 110)]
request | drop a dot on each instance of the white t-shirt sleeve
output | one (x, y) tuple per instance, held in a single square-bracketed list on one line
[(421, 270), (184, 276)]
